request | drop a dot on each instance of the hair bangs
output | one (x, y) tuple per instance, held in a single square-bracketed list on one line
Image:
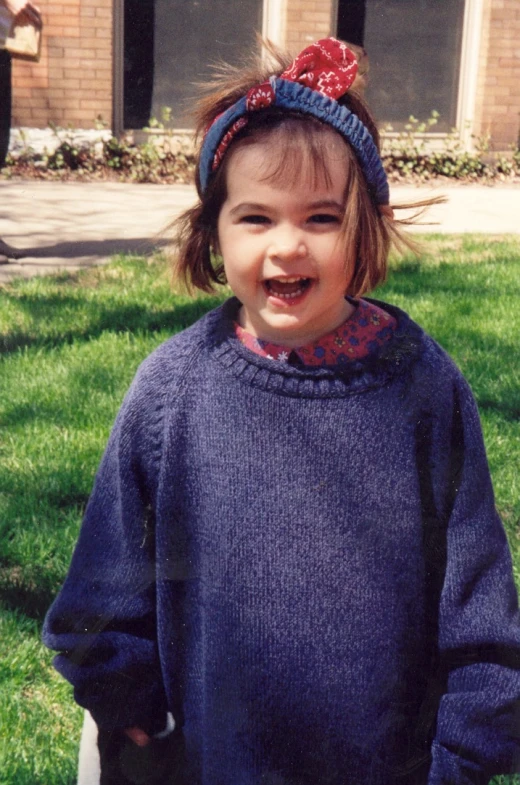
[(302, 150), (298, 155)]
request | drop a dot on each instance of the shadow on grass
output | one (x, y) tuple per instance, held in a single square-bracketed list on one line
[(482, 352), (509, 411), (73, 249), (37, 536), (121, 318), (30, 593), (411, 278)]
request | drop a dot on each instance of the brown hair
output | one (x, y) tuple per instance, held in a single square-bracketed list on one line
[(368, 230)]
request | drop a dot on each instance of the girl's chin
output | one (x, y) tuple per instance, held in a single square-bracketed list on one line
[(285, 329)]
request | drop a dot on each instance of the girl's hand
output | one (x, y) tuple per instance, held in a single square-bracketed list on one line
[(24, 12), (138, 736)]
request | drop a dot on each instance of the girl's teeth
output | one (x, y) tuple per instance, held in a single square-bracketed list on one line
[(290, 296), (287, 288)]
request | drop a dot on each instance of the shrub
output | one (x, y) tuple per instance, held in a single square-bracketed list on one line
[(412, 154), (166, 157)]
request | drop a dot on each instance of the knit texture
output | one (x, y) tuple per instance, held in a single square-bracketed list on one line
[(303, 564)]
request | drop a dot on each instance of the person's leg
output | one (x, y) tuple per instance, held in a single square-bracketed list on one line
[(5, 103), (89, 767), (6, 251), (110, 758)]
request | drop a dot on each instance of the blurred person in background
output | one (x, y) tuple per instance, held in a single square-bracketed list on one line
[(11, 12)]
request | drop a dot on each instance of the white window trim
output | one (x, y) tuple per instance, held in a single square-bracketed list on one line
[(469, 71), (118, 40), (273, 21)]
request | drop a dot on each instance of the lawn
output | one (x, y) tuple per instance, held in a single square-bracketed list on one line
[(69, 347)]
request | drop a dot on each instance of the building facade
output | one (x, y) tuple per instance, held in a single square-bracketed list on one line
[(121, 61)]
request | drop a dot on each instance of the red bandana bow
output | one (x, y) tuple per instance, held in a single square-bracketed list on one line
[(328, 66)]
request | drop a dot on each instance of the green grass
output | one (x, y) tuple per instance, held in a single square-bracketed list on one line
[(69, 347)]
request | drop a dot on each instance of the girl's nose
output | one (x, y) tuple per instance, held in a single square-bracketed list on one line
[(287, 244)]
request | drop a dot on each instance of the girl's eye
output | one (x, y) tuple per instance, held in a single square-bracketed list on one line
[(255, 219), (325, 218)]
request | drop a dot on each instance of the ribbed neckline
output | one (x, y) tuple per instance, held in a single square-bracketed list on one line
[(377, 369)]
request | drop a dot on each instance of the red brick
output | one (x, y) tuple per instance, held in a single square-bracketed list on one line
[(81, 114), (67, 20), (56, 92), (89, 84), (86, 53), (69, 103), (40, 114), (23, 81), (56, 51), (88, 63), (89, 104), (21, 92), (104, 56), (71, 59), (315, 16), (67, 42), (88, 30)]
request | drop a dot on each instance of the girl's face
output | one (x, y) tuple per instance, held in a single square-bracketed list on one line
[(281, 246)]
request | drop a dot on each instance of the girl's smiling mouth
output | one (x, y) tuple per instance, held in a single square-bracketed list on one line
[(290, 289)]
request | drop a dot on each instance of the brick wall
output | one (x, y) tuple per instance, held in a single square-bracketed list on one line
[(498, 91), (306, 21), (72, 83)]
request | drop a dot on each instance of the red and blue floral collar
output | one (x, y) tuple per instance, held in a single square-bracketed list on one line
[(362, 333)]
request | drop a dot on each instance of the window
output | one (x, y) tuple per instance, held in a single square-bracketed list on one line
[(170, 46), (414, 48)]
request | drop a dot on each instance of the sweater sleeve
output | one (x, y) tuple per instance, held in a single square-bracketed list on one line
[(478, 722), (103, 621)]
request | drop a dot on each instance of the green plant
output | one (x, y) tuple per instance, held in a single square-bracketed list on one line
[(167, 157), (410, 154), (162, 158), (163, 123)]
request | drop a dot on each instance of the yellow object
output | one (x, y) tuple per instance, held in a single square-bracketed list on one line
[(25, 42)]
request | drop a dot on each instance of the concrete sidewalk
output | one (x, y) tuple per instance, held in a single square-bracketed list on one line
[(67, 226)]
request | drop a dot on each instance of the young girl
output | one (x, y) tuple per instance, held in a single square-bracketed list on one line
[(291, 558)]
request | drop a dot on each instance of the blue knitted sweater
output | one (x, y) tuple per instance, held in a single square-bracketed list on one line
[(304, 565)]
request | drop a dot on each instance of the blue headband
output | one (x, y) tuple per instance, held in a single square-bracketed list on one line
[(297, 97)]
